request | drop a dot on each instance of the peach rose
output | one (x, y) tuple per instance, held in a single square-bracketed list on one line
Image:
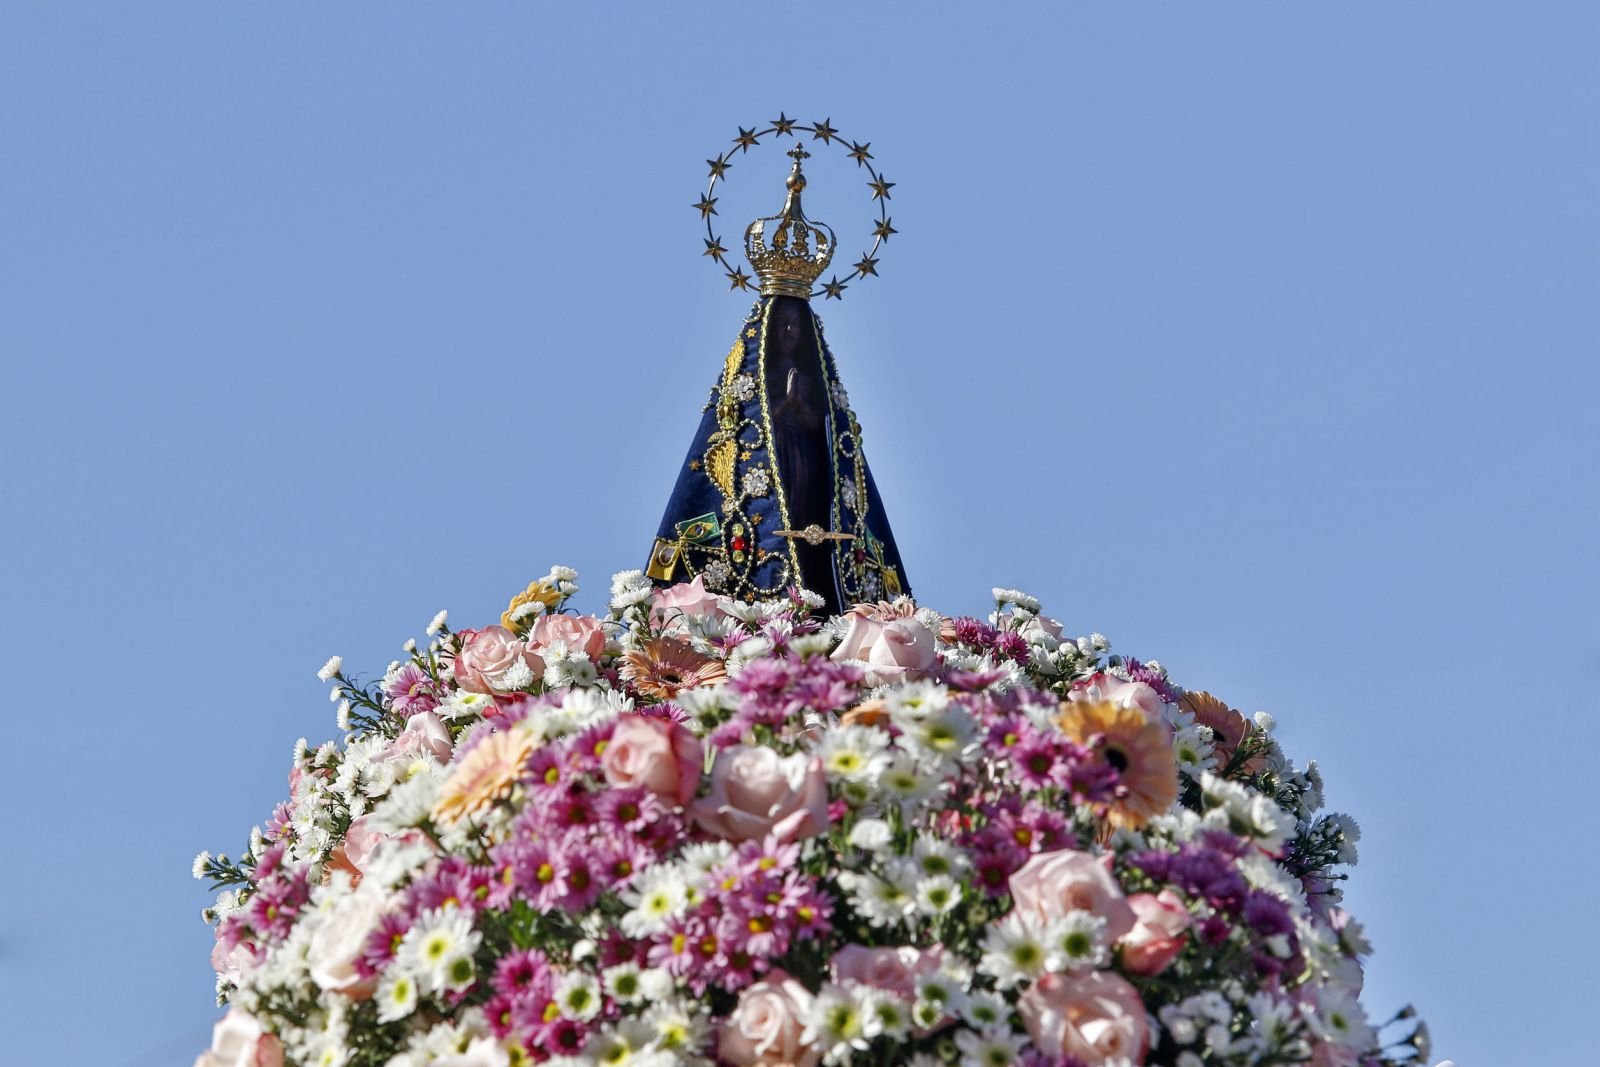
[(425, 735), (495, 660), (238, 1040), (684, 600), (896, 650), (579, 632), (657, 754), (1051, 884), (767, 1025), (1158, 935), (756, 792), (1122, 693), (894, 970), (1093, 1015)]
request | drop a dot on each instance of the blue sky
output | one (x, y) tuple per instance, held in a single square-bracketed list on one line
[(1260, 338)]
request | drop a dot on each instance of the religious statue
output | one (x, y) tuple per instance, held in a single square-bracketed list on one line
[(775, 491)]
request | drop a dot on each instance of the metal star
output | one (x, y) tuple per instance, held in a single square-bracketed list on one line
[(883, 230), (719, 166), (824, 132), (859, 153), (867, 266), (880, 188), (783, 124), (706, 206), (714, 248), (738, 279), (834, 288), (746, 140)]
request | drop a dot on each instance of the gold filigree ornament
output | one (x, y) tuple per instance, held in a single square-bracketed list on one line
[(814, 535), (789, 251)]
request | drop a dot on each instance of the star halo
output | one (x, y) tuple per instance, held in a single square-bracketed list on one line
[(783, 126)]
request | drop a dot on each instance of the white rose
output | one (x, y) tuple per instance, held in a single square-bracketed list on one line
[(339, 939)]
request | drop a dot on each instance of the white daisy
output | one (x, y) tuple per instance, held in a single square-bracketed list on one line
[(1077, 941), (994, 1046), (938, 895), (434, 945), (836, 1024), (396, 995), (657, 896), (1013, 952), (578, 996), (854, 753)]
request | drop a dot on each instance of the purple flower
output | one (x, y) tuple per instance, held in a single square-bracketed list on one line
[(411, 691)]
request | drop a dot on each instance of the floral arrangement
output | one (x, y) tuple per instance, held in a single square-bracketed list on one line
[(697, 830)]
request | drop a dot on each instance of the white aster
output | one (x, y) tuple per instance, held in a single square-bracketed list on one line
[(331, 668)]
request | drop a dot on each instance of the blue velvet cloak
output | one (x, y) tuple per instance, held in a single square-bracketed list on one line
[(730, 500)]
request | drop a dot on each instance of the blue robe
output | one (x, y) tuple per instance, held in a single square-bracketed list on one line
[(778, 448)]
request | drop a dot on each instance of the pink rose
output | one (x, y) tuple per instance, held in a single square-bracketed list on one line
[(1096, 1016), (495, 660), (1043, 624), (894, 970), (1052, 884), (425, 735), (1158, 933), (238, 1040), (684, 600), (231, 963), (767, 1025), (1331, 1054), (580, 633), (756, 792), (896, 650), (657, 754), (1122, 693), (362, 841)]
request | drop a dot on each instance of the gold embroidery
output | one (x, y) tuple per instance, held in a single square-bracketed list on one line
[(720, 459)]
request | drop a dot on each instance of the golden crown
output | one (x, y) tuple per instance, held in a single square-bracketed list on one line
[(800, 249)]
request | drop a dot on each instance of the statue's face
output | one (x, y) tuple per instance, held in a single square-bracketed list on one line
[(786, 324)]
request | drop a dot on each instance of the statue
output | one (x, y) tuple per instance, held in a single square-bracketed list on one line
[(775, 491)]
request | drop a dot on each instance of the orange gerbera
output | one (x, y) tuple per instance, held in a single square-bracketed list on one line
[(874, 712), (1228, 728), (661, 666), (1139, 749), (484, 775)]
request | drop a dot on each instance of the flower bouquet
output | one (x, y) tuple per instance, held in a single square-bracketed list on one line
[(699, 830)]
